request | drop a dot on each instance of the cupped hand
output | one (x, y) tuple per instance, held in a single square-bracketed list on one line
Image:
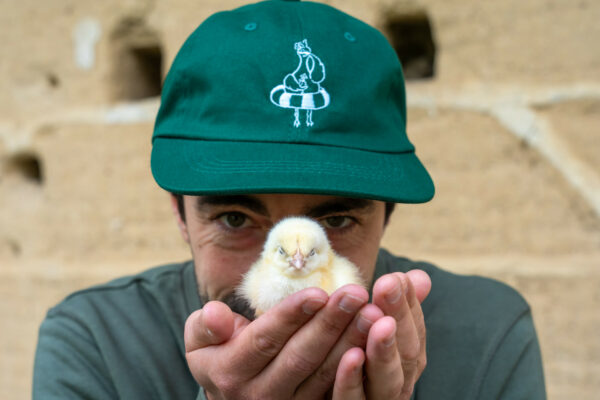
[(395, 355), (291, 351)]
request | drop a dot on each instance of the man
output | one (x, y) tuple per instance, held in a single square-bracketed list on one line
[(271, 110)]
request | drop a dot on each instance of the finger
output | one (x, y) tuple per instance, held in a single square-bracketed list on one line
[(355, 335), (349, 377), (383, 369), (391, 293), (264, 337), (307, 349), (414, 300), (396, 296), (213, 324), (418, 284), (421, 282)]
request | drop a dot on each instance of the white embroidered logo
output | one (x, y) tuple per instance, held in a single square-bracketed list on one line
[(301, 90)]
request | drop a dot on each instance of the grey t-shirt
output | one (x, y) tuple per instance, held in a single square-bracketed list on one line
[(124, 339)]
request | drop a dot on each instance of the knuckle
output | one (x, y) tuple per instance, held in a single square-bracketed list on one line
[(325, 375), (406, 391), (330, 327), (300, 363), (422, 364), (410, 366), (226, 385), (411, 351), (395, 391), (266, 345), (391, 388), (258, 394)]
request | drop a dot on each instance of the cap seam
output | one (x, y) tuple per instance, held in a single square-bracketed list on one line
[(223, 167), (237, 141)]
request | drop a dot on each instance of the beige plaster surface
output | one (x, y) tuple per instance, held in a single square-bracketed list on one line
[(509, 128)]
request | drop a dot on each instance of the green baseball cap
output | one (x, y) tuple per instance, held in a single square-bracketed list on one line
[(287, 97)]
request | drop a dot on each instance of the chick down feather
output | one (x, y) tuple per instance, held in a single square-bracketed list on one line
[(296, 255)]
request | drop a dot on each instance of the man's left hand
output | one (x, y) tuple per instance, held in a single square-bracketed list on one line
[(395, 353)]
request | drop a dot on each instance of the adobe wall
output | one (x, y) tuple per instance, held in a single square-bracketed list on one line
[(508, 125)]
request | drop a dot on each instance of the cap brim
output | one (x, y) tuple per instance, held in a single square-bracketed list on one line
[(199, 167)]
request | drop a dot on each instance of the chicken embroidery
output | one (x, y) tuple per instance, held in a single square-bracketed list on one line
[(302, 90)]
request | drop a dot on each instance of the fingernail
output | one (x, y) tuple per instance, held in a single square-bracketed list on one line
[(358, 368), (395, 295), (311, 306), (208, 331), (350, 304), (389, 341), (363, 324)]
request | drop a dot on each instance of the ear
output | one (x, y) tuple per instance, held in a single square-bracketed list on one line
[(180, 219)]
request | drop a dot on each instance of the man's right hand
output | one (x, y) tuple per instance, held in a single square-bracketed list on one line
[(291, 351)]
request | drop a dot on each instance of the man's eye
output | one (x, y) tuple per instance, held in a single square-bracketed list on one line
[(337, 221), (234, 220)]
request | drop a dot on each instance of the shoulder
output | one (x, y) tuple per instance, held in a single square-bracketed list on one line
[(156, 302), (469, 314), (479, 330), (125, 291), (467, 297), (111, 330)]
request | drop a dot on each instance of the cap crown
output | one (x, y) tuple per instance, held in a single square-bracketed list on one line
[(286, 72)]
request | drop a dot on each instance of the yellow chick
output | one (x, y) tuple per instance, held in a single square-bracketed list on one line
[(296, 255)]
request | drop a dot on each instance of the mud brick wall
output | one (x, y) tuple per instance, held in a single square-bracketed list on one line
[(504, 108)]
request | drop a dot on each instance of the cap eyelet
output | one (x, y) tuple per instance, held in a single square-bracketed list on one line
[(349, 37), (251, 26)]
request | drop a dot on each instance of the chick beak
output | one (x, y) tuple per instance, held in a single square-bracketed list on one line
[(298, 260)]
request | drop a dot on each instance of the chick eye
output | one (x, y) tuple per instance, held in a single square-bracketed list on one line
[(312, 253), (280, 249), (234, 219), (336, 221)]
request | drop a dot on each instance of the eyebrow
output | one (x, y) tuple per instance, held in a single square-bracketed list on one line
[(339, 205), (236, 200)]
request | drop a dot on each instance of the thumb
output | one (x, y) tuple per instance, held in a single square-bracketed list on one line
[(421, 282), (212, 324)]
